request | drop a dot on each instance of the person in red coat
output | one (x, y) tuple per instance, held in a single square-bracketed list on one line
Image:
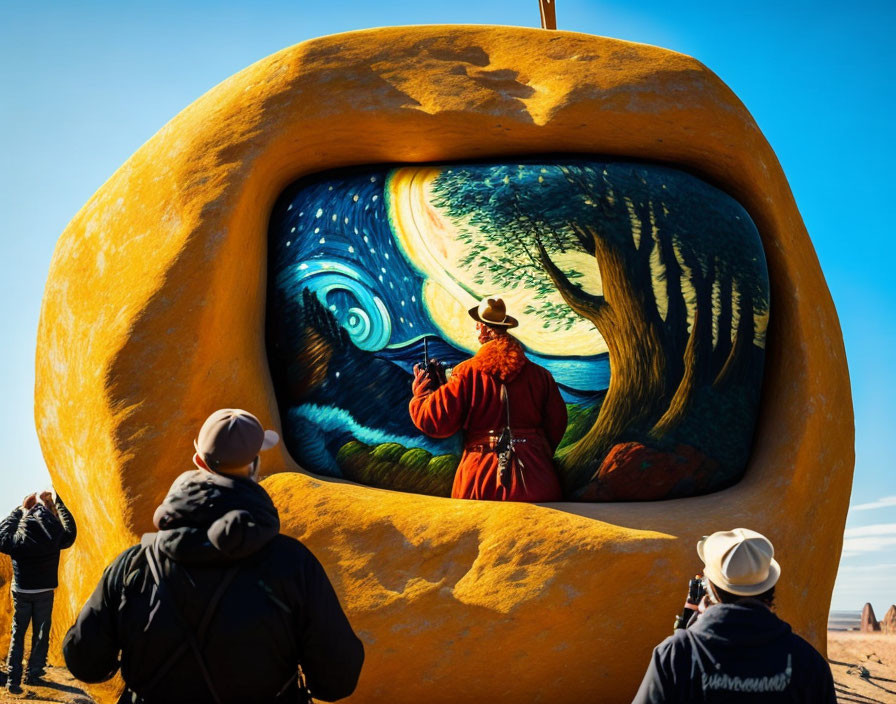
[(473, 400)]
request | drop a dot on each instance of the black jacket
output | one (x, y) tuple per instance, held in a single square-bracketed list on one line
[(279, 611), (737, 653), (34, 539)]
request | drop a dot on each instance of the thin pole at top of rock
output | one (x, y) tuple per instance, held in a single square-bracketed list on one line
[(548, 14)]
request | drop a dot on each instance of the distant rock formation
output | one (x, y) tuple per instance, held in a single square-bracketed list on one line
[(869, 623), (888, 624)]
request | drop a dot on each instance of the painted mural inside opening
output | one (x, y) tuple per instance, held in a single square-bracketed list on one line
[(641, 288)]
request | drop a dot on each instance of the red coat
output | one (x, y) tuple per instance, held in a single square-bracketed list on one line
[(471, 400)]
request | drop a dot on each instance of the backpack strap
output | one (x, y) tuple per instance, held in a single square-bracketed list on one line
[(296, 679), (147, 544), (505, 397), (505, 462), (195, 639)]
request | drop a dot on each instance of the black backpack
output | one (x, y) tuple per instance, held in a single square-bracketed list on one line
[(193, 639)]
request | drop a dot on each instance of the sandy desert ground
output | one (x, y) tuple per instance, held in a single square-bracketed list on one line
[(58, 687), (864, 666)]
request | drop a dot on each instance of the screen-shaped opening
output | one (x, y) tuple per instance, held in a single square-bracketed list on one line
[(640, 289)]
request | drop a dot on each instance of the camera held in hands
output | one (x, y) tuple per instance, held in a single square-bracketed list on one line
[(434, 369), (696, 592)]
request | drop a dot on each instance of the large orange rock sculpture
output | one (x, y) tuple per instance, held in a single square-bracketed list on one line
[(154, 315), (5, 609)]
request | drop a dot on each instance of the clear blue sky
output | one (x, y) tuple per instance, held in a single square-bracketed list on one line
[(85, 84)]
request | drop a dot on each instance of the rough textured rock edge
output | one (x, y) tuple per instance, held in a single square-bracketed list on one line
[(153, 315)]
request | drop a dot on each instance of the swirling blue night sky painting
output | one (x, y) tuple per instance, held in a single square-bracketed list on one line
[(337, 243), (367, 263)]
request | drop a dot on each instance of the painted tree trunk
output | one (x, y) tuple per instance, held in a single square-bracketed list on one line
[(637, 360), (676, 322), (723, 326), (736, 366), (697, 353)]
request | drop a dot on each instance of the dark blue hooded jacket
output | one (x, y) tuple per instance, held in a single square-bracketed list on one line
[(736, 653)]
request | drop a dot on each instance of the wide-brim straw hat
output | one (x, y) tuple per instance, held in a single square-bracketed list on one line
[(493, 312), (740, 561)]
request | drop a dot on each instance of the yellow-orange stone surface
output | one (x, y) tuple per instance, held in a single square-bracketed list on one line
[(154, 316)]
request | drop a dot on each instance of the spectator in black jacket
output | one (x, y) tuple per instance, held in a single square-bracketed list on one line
[(217, 606), (33, 536), (736, 649)]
